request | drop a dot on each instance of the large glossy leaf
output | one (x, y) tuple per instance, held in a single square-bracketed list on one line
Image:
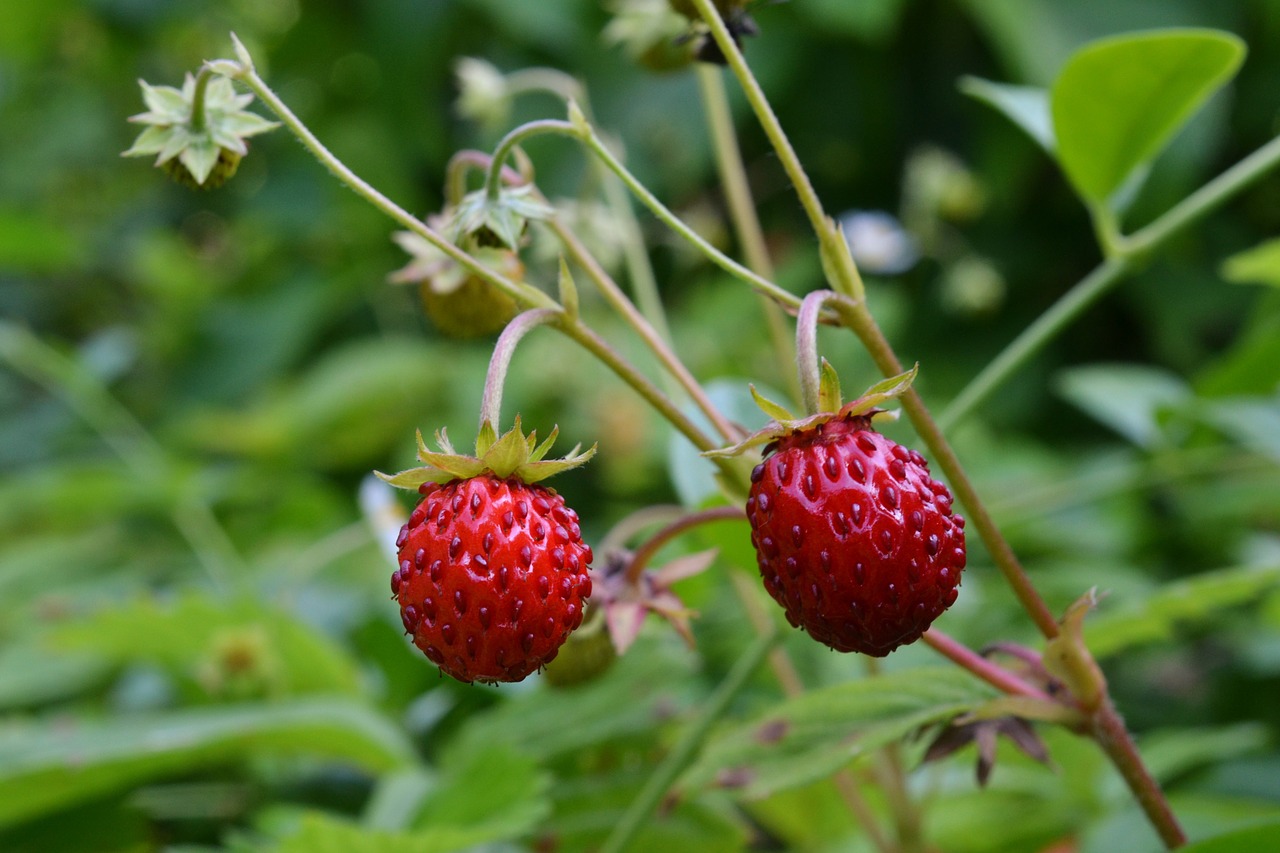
[(1156, 617), (49, 766), (809, 737), (1119, 100)]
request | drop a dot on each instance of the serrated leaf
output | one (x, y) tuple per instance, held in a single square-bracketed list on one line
[(1259, 265), (49, 766), (811, 736), (1026, 106), (1118, 101), (1158, 616)]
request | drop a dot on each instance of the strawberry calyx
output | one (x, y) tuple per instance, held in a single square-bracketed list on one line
[(784, 423), (513, 454)]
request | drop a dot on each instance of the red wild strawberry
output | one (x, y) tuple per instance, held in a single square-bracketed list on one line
[(493, 570), (853, 537)]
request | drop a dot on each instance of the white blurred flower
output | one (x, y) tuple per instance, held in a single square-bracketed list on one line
[(878, 242)]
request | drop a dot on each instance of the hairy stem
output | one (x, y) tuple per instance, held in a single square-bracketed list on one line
[(542, 127), (1109, 730), (808, 365), (496, 377), (646, 803)]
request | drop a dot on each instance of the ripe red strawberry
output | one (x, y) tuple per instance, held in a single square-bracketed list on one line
[(853, 537), (493, 570)]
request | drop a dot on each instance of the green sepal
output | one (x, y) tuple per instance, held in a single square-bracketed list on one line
[(1025, 708), (568, 291), (770, 408), (784, 423), (504, 217), (829, 399), (1068, 658), (513, 454)]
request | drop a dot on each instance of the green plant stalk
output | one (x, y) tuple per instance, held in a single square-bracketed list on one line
[(523, 293), (859, 320), (1129, 253), (495, 378), (664, 215), (651, 336), (742, 211), (646, 803), (1109, 730), (808, 364), (203, 76), (839, 264), (636, 256), (508, 143), (128, 439)]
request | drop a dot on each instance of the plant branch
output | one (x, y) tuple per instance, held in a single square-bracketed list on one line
[(541, 127), (1109, 730), (995, 675), (496, 377), (666, 773), (1130, 252)]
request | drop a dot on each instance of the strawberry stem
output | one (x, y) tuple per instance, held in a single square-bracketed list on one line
[(541, 127), (995, 675), (808, 365), (203, 76), (496, 377)]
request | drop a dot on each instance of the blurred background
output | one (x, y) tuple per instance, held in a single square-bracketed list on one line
[(196, 643)]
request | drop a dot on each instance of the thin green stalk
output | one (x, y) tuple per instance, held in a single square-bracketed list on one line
[(496, 377), (541, 127), (523, 293), (646, 803), (664, 215), (1130, 251), (742, 211), (551, 80), (808, 365), (203, 76), (1034, 338), (651, 336)]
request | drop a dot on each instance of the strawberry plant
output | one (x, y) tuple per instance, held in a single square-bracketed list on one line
[(873, 497)]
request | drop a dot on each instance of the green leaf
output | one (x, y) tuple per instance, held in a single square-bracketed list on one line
[(1127, 398), (320, 833), (1252, 421), (1169, 753), (1156, 617), (30, 675), (1259, 265), (1119, 100), (495, 789), (1254, 839), (226, 647), (1025, 106), (811, 736), (50, 766)]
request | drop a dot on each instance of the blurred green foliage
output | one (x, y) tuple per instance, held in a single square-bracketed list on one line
[(197, 649)]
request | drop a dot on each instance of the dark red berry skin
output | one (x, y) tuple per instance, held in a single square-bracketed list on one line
[(492, 577), (854, 538)]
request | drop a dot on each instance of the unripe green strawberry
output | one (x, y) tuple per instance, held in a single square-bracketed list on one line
[(586, 655), (223, 170), (853, 537)]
